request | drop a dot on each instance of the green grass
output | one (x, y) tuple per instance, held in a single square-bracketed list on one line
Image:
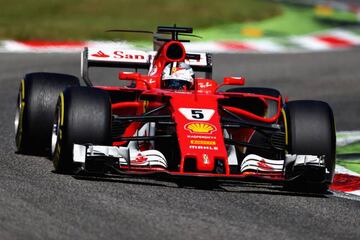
[(293, 21), (88, 19), (340, 16), (351, 148), (351, 165)]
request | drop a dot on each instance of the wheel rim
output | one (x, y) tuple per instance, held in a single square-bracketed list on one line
[(17, 115), (18, 120), (55, 131)]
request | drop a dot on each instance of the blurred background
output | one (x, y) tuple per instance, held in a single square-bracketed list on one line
[(214, 20)]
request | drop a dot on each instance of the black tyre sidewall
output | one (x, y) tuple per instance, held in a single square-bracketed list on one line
[(87, 120), (41, 91), (311, 131)]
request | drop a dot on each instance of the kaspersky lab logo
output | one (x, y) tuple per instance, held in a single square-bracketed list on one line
[(199, 127)]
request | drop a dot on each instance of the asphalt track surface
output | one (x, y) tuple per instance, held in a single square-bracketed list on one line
[(36, 203)]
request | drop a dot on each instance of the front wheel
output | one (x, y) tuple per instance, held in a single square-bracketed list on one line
[(83, 116), (311, 131)]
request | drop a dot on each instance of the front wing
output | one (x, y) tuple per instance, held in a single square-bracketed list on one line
[(128, 160)]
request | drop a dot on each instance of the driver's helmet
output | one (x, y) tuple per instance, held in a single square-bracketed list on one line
[(178, 75)]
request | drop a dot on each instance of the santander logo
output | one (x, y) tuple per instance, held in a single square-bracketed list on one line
[(128, 55), (109, 55), (100, 54)]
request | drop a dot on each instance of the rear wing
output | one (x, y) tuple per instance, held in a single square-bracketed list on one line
[(135, 59)]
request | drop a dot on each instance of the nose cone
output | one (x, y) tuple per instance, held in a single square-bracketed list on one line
[(199, 131)]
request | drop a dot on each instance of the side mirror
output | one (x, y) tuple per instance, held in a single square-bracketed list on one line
[(129, 76), (234, 81), (142, 81)]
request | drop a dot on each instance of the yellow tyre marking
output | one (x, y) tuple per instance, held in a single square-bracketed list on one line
[(22, 89), (21, 114), (22, 103), (286, 127), (62, 109)]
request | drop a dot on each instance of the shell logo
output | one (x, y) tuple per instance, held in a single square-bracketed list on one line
[(200, 127)]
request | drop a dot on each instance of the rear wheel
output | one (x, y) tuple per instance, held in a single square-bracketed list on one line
[(311, 131), (83, 116), (36, 103)]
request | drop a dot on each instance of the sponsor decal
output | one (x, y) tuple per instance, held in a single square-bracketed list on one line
[(201, 61), (151, 81), (205, 85), (202, 142), (118, 55), (122, 55), (263, 165), (201, 128), (197, 114), (139, 159), (100, 54), (198, 147), (200, 137), (176, 69)]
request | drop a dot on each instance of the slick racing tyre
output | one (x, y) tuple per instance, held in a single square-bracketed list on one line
[(36, 103), (311, 131), (83, 116)]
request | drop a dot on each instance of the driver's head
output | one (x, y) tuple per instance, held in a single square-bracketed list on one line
[(178, 75)]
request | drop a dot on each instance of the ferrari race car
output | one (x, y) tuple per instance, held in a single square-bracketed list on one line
[(198, 131)]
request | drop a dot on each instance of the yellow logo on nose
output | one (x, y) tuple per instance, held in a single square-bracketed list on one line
[(200, 127), (202, 142)]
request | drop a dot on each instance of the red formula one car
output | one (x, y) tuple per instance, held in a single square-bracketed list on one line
[(172, 123)]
